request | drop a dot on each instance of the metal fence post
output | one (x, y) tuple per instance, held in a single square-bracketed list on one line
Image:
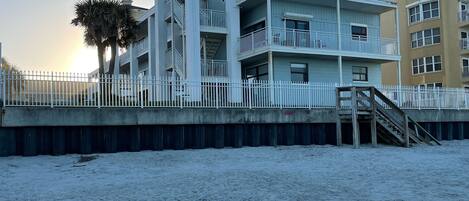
[(4, 81), (99, 91), (51, 82), (439, 98), (418, 98), (141, 92), (216, 93), (310, 88), (249, 94)]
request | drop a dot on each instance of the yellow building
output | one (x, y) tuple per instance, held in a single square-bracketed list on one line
[(434, 43)]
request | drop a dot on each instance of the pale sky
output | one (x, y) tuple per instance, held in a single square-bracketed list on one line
[(37, 35)]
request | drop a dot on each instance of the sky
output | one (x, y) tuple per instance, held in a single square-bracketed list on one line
[(37, 35)]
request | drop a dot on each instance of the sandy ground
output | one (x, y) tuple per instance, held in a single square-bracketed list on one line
[(265, 173)]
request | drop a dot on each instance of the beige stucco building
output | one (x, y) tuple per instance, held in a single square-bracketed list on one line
[(434, 43)]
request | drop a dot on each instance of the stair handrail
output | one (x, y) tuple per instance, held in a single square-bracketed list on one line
[(407, 118)]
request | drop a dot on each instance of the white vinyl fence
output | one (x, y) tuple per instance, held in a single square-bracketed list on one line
[(46, 89)]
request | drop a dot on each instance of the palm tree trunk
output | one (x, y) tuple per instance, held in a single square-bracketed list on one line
[(101, 50), (112, 61)]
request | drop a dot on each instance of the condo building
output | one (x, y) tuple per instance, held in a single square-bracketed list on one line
[(320, 41), (434, 44)]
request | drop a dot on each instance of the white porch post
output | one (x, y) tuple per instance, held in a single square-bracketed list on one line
[(152, 70), (232, 48), (398, 42), (160, 47), (133, 62), (193, 72), (270, 64), (339, 41)]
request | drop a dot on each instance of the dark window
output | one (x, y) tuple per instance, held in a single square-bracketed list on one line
[(360, 74), (297, 24), (437, 63), (253, 28), (299, 72), (359, 33), (259, 72)]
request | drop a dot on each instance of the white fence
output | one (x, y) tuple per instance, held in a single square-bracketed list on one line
[(43, 89)]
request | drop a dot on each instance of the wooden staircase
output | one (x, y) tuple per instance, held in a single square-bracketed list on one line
[(388, 122)]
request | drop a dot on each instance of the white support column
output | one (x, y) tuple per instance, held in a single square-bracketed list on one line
[(232, 48), (341, 76), (193, 58), (339, 42), (133, 62), (153, 71), (269, 35), (399, 71), (269, 21)]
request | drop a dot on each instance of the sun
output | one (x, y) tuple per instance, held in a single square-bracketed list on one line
[(86, 60)]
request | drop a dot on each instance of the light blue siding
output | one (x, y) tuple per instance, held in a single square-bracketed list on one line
[(324, 18), (325, 70)]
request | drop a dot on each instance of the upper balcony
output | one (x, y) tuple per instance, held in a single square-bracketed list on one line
[(369, 6), (139, 47), (318, 43), (213, 21), (463, 17)]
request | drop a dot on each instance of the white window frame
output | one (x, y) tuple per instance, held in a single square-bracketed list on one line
[(419, 6), (424, 64), (365, 39), (462, 64)]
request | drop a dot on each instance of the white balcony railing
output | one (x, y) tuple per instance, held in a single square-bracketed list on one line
[(317, 40), (464, 44), (212, 18), (463, 16), (214, 68), (141, 46)]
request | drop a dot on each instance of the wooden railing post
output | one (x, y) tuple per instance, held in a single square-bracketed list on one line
[(374, 137), (356, 130), (406, 132), (338, 120)]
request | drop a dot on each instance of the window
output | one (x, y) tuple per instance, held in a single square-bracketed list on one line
[(258, 72), (425, 37), (297, 33), (465, 66), (414, 14), (424, 11), (252, 28), (426, 65), (431, 86), (299, 72), (360, 74), (297, 24), (359, 33)]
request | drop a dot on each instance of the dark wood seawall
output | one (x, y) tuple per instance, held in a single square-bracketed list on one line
[(56, 131)]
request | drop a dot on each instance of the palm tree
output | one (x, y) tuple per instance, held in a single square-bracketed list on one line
[(123, 26), (92, 16), (106, 23)]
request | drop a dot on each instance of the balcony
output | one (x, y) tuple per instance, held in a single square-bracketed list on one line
[(312, 42), (213, 21), (214, 68), (463, 17), (465, 72), (139, 47)]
